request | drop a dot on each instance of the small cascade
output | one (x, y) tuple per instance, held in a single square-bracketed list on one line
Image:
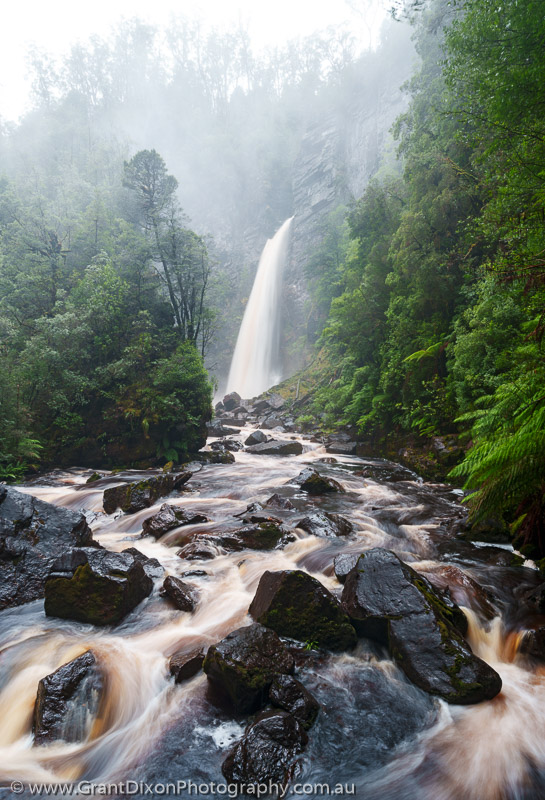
[(256, 361)]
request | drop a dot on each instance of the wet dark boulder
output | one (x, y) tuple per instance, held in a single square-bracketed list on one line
[(277, 501), (231, 401), (244, 664), (221, 456), (233, 445), (493, 530), (169, 517), (152, 566), (257, 437), (219, 429), (198, 550), (295, 604), (323, 524), (289, 694), (342, 448), (260, 534), (32, 535), (267, 752), (273, 421), (67, 701), (180, 594), (95, 586), (276, 447), (390, 602), (137, 495), (185, 665), (312, 482), (343, 564)]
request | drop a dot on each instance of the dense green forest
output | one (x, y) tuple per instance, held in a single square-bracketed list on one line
[(430, 288), (437, 298)]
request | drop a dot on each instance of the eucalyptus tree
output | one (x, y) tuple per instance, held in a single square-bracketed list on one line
[(180, 256)]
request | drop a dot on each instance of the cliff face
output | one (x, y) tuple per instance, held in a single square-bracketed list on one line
[(340, 149), (339, 155)]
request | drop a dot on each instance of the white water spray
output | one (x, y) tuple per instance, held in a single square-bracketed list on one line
[(255, 364)]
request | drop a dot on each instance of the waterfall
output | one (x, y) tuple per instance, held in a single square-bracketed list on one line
[(256, 361)]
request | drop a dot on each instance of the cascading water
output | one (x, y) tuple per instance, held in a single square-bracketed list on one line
[(375, 729), (255, 364)]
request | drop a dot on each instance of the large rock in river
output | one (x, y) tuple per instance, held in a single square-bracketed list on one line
[(290, 695), (267, 752), (244, 664), (323, 524), (388, 601), (295, 604), (32, 535), (67, 701), (137, 495), (169, 517), (276, 448), (95, 586), (312, 482)]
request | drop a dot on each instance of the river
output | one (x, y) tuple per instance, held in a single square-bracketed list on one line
[(375, 730)]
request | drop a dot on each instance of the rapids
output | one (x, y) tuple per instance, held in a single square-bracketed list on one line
[(376, 730)]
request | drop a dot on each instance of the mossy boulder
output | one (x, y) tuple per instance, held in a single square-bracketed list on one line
[(295, 604), (67, 701), (312, 482), (390, 602), (95, 586), (32, 535), (244, 664), (137, 495), (267, 752)]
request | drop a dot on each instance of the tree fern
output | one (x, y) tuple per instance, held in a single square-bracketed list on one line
[(505, 468)]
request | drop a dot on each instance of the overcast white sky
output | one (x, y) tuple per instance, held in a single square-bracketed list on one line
[(56, 24)]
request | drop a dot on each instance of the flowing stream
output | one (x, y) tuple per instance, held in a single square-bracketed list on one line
[(375, 730), (256, 361)]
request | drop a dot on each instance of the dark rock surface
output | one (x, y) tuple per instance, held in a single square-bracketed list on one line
[(342, 448), (267, 751), (95, 586), (222, 456), (343, 564), (169, 517), (184, 665), (277, 501), (492, 529), (231, 401), (244, 664), (312, 482), (276, 448), (135, 496), (390, 602), (323, 524), (232, 445), (181, 594), (32, 535), (258, 437), (288, 693), (198, 550), (295, 604), (66, 701), (152, 567), (219, 429)]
